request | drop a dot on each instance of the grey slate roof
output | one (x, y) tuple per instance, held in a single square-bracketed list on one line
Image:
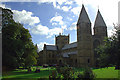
[(51, 47), (68, 46), (83, 17), (65, 55), (99, 20), (69, 53)]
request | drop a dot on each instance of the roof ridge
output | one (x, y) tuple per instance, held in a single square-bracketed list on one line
[(50, 45)]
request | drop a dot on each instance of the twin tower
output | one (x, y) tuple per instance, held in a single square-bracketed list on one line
[(81, 53), (86, 42)]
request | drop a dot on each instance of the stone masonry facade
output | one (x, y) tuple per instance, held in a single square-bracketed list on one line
[(81, 53)]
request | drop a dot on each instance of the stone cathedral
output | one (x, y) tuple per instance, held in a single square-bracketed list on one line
[(81, 53)]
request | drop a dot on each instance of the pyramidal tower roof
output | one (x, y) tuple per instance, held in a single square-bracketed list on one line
[(99, 20), (83, 17)]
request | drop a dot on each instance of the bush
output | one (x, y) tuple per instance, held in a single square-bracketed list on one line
[(58, 69), (67, 72), (80, 76), (88, 73), (53, 75)]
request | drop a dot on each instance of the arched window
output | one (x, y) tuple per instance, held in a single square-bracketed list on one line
[(96, 43)]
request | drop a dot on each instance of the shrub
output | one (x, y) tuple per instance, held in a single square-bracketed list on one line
[(58, 69), (88, 73), (53, 75), (67, 72), (80, 76)]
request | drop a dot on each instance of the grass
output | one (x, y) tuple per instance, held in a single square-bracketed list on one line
[(22, 73), (109, 72)]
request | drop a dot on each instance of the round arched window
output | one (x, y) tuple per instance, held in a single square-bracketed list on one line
[(96, 43)]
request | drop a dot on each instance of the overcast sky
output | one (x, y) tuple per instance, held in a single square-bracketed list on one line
[(47, 18)]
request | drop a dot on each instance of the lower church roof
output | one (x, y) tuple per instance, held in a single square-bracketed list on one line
[(68, 46), (51, 47), (66, 54)]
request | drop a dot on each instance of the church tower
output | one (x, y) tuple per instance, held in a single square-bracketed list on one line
[(100, 28), (84, 39), (61, 40), (100, 32)]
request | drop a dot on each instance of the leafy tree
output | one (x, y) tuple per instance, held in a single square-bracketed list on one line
[(30, 59), (7, 17), (11, 45), (18, 48), (110, 52)]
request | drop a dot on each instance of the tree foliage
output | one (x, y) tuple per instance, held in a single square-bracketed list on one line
[(18, 48), (109, 53)]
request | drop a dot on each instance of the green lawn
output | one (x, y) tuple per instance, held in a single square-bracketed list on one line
[(44, 73), (109, 72), (23, 74)]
